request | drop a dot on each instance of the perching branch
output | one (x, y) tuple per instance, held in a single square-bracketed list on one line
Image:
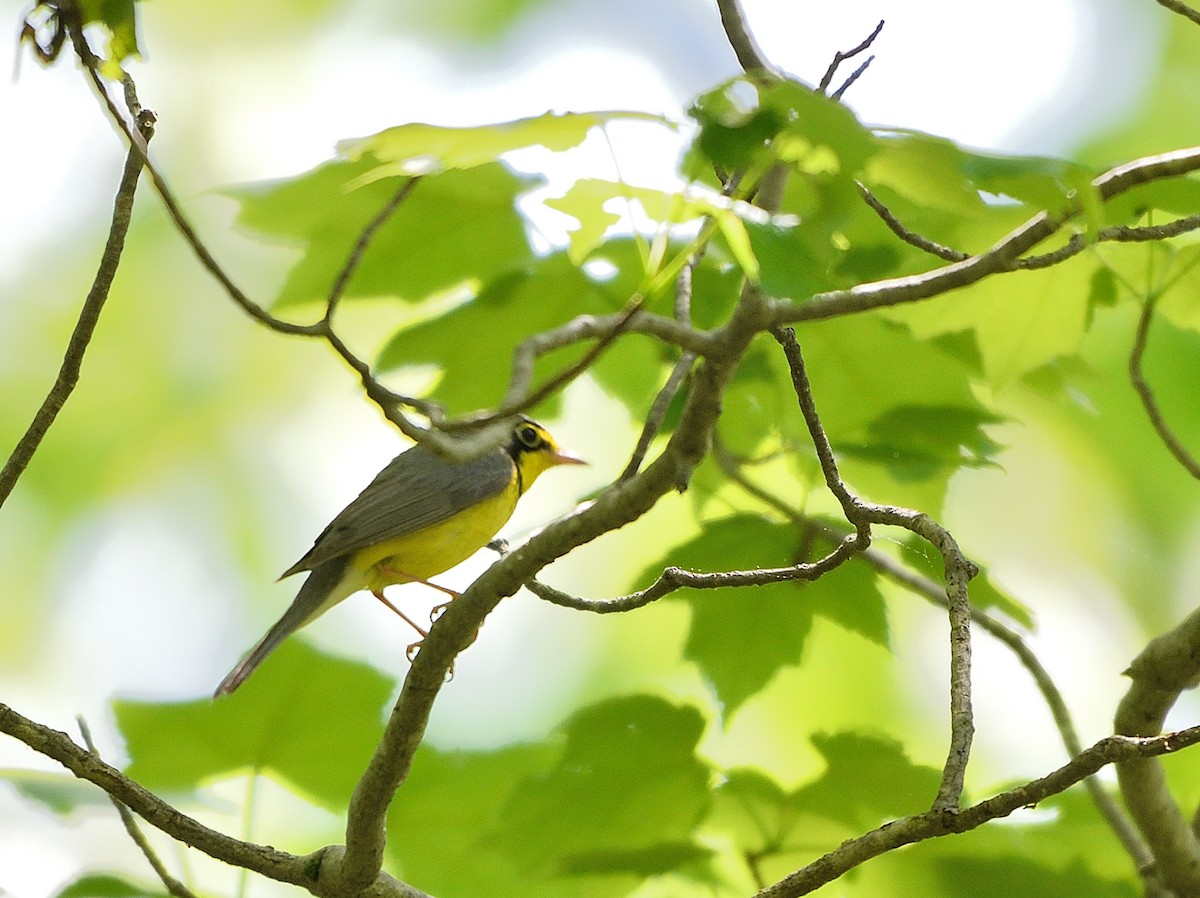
[(458, 627), (85, 326), (745, 47)]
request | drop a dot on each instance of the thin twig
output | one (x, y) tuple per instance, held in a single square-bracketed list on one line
[(1146, 393), (81, 336), (174, 886), (841, 56), (1182, 9), (745, 47), (959, 572), (854, 76), (909, 236), (360, 245), (662, 402)]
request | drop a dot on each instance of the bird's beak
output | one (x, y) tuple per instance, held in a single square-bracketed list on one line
[(559, 457)]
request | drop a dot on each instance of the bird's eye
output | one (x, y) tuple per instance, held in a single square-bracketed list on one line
[(529, 436)]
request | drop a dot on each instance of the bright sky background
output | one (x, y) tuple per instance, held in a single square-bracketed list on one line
[(988, 76)]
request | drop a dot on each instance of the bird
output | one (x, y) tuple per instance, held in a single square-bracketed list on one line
[(420, 516)]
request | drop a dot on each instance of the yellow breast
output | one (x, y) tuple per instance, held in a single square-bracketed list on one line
[(428, 552)]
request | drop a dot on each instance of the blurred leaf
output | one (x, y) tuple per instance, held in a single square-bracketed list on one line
[(968, 877), (416, 253), (626, 792), (868, 780), (1021, 320), (740, 638), (58, 792), (925, 169), (478, 337), (451, 802), (419, 149), (915, 442), (740, 121), (119, 18), (102, 885), (311, 718)]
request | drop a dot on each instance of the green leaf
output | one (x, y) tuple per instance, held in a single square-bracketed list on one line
[(451, 801), (102, 885), (868, 779), (628, 791), (966, 877), (925, 169), (311, 718), (416, 253), (119, 18), (916, 442), (59, 792), (419, 149), (473, 343), (740, 638), (1020, 320)]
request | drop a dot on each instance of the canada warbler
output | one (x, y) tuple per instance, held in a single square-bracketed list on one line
[(421, 515)]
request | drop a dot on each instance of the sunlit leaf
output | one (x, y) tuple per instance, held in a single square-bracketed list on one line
[(59, 792), (418, 250), (419, 149), (740, 638), (626, 792)]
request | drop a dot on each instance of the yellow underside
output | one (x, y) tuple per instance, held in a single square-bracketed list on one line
[(428, 552)]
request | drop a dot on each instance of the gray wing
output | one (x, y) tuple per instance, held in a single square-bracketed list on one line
[(416, 490)]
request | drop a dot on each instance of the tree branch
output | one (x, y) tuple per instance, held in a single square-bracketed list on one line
[(458, 627), (745, 47), (308, 871), (1004, 256), (173, 885), (1181, 9), (959, 572), (85, 327), (935, 823), (1168, 665)]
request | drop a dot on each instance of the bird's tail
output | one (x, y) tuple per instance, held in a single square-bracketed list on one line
[(315, 597)]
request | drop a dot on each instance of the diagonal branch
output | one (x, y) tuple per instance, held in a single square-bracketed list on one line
[(841, 56), (85, 327), (459, 626), (173, 885), (1180, 8), (308, 871), (1004, 256), (934, 823)]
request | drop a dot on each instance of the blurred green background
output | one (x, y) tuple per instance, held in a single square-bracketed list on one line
[(201, 454)]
